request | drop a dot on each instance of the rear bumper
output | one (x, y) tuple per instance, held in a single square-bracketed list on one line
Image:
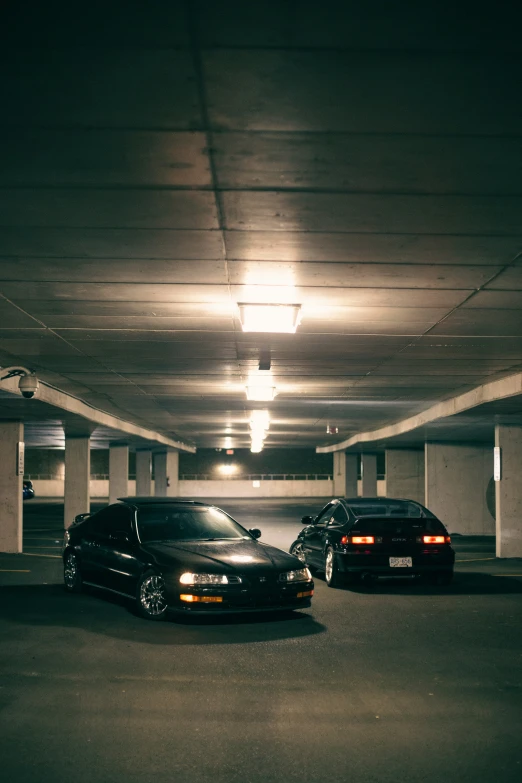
[(380, 564)]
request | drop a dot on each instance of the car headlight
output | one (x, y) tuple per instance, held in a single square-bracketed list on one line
[(66, 538), (302, 575), (207, 579)]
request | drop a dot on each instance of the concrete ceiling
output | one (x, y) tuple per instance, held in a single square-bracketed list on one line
[(162, 162)]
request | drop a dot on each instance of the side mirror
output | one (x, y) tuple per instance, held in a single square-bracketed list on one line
[(255, 532), (81, 517), (308, 520)]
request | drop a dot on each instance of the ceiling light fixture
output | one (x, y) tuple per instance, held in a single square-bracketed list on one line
[(281, 318), (261, 393)]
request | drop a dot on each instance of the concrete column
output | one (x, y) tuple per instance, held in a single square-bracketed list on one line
[(352, 471), (339, 473), (166, 474), (143, 473), (369, 475), (11, 477), (457, 478), (405, 474), (118, 472), (508, 495), (77, 477)]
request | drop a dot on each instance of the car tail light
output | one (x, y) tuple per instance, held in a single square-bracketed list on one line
[(436, 539), (362, 540)]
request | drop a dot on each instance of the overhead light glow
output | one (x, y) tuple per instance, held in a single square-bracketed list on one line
[(281, 318), (260, 393), (259, 423), (227, 469), (255, 448)]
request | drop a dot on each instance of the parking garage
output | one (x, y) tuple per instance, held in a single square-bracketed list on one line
[(262, 256)]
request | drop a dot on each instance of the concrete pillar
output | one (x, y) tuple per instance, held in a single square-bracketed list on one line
[(405, 474), (457, 478), (77, 477), (118, 472), (143, 473), (339, 473), (11, 477), (369, 475), (352, 472), (166, 474), (508, 495)]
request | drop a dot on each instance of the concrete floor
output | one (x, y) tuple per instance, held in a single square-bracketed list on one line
[(399, 682)]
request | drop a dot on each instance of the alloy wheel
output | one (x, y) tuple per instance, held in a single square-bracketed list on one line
[(298, 551), (328, 569), (152, 595), (70, 571)]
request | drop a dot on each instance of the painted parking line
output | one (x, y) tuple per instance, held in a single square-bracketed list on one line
[(34, 554), (30, 546), (476, 560), (506, 574), (41, 538), (14, 571)]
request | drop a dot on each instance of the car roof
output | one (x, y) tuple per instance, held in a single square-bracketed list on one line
[(378, 500), (146, 499)]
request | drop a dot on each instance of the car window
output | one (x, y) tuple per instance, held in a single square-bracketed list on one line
[(98, 522), (339, 517), (110, 519), (324, 516), (389, 508), (119, 520), (162, 522)]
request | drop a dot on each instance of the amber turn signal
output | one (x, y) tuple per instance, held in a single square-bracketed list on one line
[(202, 599)]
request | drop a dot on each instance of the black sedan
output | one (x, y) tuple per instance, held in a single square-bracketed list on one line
[(181, 555), (366, 538)]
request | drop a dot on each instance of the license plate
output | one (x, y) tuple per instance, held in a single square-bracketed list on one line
[(401, 562)]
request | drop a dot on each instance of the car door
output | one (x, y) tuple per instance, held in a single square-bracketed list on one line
[(92, 538), (120, 551), (313, 538)]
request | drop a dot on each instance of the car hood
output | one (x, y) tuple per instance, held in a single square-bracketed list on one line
[(232, 556)]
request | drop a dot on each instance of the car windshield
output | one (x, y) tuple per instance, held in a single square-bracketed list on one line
[(162, 522), (390, 508)]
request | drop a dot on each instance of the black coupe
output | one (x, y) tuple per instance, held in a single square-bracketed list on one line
[(181, 555), (354, 538)]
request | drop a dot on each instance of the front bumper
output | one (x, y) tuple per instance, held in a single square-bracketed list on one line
[(238, 599)]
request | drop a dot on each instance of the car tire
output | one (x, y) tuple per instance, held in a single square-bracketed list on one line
[(72, 575), (297, 551), (333, 577), (151, 602)]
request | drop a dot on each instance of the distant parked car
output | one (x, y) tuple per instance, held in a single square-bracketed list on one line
[(364, 538), (27, 490)]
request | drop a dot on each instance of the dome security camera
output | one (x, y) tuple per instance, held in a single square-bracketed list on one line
[(29, 386)]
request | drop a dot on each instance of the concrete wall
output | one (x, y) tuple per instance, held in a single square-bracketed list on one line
[(405, 474), (457, 479), (224, 489)]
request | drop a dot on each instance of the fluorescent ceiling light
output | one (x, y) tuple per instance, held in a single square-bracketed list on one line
[(260, 393), (259, 421), (280, 318)]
